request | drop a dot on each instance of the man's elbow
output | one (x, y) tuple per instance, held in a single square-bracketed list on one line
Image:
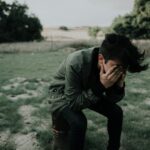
[(115, 98), (119, 97), (78, 103)]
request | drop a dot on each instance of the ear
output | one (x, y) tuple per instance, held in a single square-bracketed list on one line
[(100, 58)]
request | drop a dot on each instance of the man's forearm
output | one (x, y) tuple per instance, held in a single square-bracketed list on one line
[(115, 93)]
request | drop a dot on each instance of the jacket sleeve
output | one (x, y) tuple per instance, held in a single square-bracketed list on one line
[(77, 97), (115, 93)]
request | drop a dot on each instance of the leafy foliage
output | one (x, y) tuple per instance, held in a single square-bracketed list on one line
[(93, 31), (63, 28), (136, 24), (17, 25)]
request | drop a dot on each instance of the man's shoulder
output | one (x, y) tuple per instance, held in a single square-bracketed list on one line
[(80, 57)]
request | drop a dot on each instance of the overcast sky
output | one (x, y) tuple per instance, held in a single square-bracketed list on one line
[(77, 12)]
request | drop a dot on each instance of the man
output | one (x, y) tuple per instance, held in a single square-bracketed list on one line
[(92, 78)]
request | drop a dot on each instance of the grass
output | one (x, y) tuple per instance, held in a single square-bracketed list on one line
[(44, 137), (44, 46), (9, 117), (33, 71), (8, 146)]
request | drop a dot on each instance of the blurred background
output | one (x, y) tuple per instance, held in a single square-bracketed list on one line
[(35, 36)]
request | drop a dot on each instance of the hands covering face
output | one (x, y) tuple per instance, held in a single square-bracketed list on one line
[(115, 74)]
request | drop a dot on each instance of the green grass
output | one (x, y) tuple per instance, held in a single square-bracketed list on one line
[(8, 146), (28, 65), (9, 117), (44, 137), (37, 70)]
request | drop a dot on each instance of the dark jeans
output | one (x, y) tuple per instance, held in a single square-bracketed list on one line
[(76, 123)]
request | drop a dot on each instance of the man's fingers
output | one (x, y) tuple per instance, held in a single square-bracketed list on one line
[(101, 69), (111, 70), (123, 76), (116, 76), (115, 72)]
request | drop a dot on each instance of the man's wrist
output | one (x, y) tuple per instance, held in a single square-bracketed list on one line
[(121, 84), (101, 85), (97, 88)]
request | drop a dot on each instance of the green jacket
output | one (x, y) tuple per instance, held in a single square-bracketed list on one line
[(70, 84)]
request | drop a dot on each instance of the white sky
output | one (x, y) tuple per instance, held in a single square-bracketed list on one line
[(77, 12)]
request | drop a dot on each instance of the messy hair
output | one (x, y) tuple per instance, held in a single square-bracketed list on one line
[(116, 46)]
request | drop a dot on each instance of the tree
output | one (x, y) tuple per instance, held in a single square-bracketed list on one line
[(63, 28), (136, 24), (17, 25), (93, 31)]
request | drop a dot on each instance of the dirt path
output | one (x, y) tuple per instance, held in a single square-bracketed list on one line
[(26, 141)]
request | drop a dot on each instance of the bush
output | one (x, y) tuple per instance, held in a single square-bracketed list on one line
[(93, 31), (63, 28), (136, 24), (17, 25)]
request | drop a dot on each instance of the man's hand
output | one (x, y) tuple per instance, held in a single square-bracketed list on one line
[(111, 76), (120, 82)]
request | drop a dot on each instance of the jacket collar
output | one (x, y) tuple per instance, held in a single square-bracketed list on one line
[(88, 65)]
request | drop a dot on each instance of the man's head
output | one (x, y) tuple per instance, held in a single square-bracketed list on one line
[(109, 63), (118, 50)]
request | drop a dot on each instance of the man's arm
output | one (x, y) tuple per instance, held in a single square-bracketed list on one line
[(77, 97), (115, 93)]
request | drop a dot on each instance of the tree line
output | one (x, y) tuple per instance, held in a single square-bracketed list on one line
[(17, 25)]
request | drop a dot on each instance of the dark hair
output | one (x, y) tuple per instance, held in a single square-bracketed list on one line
[(119, 47)]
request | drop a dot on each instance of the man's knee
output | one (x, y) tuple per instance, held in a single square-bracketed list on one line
[(117, 112), (79, 123)]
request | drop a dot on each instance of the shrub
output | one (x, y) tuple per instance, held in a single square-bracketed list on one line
[(63, 28), (136, 24), (17, 25), (93, 31)]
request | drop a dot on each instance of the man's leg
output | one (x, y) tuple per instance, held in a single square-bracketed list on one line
[(77, 123), (60, 129), (114, 114)]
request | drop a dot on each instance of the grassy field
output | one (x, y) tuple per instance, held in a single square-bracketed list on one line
[(25, 120)]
